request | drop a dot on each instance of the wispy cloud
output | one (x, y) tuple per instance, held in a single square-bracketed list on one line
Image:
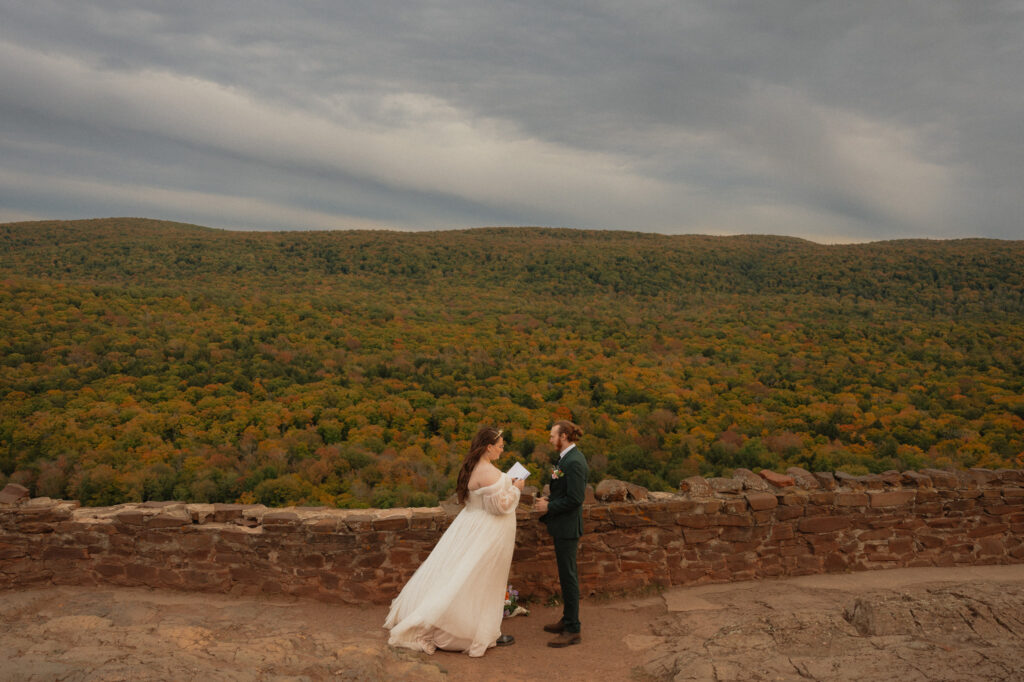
[(830, 121)]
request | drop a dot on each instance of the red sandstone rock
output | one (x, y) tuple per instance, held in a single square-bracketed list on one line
[(916, 478), (982, 477), (785, 513), (942, 479), (895, 498), (696, 535), (692, 520), (721, 484), (676, 539), (159, 504), (10, 551), (783, 531), (794, 499), (826, 479), (803, 478), (737, 534), (360, 522), (750, 480), (777, 480), (823, 524), (40, 505), (325, 526), (851, 499), (851, 481), (393, 519), (990, 529), (110, 570), (836, 561), (627, 516), (13, 493), (611, 490), (891, 478), (807, 565), (873, 482), (132, 517), (731, 520), (275, 518), (711, 506), (1003, 509), (876, 534), (172, 519), (991, 546), (65, 553), (901, 546), (822, 498), (225, 513), (636, 492), (696, 486), (1010, 475), (761, 501)]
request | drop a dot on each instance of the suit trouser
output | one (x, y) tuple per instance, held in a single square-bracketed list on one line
[(565, 556)]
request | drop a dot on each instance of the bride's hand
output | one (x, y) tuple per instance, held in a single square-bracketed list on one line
[(519, 483)]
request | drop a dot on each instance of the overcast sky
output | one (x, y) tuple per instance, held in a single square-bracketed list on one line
[(836, 121)]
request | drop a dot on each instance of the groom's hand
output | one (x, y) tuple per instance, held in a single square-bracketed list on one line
[(541, 504)]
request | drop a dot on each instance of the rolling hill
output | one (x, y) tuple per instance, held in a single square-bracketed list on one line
[(153, 360)]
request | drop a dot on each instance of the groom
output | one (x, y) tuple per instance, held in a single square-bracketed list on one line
[(563, 514)]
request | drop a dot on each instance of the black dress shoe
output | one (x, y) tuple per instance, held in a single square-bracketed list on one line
[(505, 640), (557, 628)]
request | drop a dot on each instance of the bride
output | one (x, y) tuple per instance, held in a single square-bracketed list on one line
[(454, 599)]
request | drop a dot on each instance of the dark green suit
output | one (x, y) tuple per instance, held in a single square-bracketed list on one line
[(564, 520)]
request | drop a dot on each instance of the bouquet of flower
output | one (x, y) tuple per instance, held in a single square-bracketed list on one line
[(512, 607)]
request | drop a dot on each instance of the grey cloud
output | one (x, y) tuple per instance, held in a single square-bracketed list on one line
[(828, 120)]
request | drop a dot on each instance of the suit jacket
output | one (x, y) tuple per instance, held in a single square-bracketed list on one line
[(564, 517)]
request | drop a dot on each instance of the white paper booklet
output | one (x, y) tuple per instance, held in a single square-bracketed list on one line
[(519, 471)]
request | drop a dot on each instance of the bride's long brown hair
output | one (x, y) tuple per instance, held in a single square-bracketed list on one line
[(484, 438)]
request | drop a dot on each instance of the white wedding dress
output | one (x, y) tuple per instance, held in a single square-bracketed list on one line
[(455, 598)]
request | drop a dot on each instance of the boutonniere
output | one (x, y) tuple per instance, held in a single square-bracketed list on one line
[(556, 474)]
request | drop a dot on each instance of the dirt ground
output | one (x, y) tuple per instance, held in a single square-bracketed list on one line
[(906, 625)]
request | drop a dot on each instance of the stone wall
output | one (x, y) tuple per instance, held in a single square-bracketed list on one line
[(745, 527)]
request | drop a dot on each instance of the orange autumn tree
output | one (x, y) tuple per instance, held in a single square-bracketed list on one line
[(145, 360)]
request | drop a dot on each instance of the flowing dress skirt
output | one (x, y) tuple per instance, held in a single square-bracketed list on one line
[(455, 598)]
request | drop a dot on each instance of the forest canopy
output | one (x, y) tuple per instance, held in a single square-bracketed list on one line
[(146, 360)]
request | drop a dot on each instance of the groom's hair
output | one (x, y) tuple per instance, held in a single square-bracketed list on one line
[(571, 432)]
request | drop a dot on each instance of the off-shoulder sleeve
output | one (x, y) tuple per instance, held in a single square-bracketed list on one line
[(503, 499)]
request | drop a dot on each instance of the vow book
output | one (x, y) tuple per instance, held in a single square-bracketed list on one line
[(518, 471)]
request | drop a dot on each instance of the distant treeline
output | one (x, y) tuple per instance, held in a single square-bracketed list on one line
[(151, 360)]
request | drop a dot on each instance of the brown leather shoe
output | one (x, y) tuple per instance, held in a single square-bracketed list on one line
[(557, 628), (566, 639)]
